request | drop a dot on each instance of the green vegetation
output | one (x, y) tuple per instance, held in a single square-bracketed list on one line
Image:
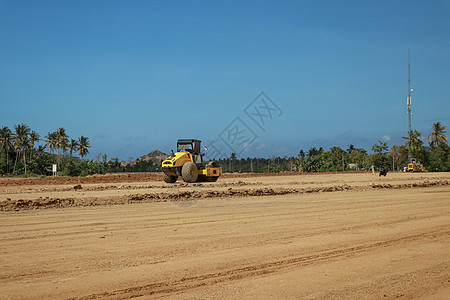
[(140, 165), (21, 155), (435, 157)]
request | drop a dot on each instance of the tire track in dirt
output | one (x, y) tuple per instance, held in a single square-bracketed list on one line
[(419, 283), (282, 238), (335, 207), (39, 203), (187, 283)]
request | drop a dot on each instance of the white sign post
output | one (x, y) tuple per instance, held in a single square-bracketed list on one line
[(54, 170)]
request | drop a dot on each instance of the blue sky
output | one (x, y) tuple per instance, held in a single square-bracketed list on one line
[(135, 76)]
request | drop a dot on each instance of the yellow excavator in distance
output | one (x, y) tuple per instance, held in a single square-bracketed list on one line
[(414, 166), (188, 163)]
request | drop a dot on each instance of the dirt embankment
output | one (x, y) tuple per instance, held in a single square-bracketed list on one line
[(135, 177), (111, 178)]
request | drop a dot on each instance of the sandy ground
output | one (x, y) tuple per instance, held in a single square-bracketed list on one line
[(347, 236)]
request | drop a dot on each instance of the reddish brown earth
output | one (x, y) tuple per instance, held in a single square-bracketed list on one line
[(134, 177), (323, 236)]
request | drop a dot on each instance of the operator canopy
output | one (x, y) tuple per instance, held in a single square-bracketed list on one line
[(190, 145)]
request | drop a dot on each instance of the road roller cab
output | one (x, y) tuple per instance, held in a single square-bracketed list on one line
[(188, 163)]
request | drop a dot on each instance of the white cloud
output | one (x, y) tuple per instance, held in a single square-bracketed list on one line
[(386, 138)]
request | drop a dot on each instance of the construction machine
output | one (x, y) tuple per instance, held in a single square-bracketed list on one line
[(188, 163), (414, 166)]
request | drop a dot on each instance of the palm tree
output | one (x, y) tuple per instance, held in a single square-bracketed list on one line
[(382, 147), (34, 137), (62, 140), (413, 140), (51, 141), (301, 154), (83, 145), (313, 151), (21, 142), (6, 137), (437, 137), (40, 149), (337, 155), (73, 146)]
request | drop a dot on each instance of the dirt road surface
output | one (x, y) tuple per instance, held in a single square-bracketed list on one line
[(347, 236)]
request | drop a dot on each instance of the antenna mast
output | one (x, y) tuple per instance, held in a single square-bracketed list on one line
[(408, 103)]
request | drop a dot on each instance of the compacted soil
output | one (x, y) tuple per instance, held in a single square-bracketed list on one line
[(348, 236)]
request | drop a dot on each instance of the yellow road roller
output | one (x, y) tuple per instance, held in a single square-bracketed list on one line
[(188, 163)]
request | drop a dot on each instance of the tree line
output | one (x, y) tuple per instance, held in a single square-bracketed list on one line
[(435, 156), (20, 152)]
